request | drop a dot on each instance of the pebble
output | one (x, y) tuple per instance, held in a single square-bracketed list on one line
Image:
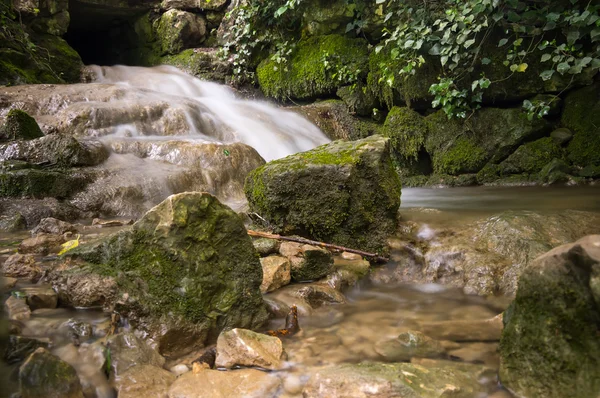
[(180, 369), (293, 384)]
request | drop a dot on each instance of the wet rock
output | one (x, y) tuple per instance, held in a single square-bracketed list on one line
[(553, 324), (246, 348), (276, 273), (328, 193), (318, 295), (19, 348), (96, 222), (20, 126), (408, 345), (127, 350), (41, 183), (486, 353), (53, 226), (276, 308), (187, 259), (249, 383), (83, 289), (193, 4), (359, 100), (42, 244), (82, 330), (45, 375), (178, 30), (34, 210), (17, 308), (464, 330), (581, 114), (180, 369), (562, 135), (265, 246), (40, 296), (143, 381), (21, 266), (12, 223), (7, 283), (394, 380), (312, 263)]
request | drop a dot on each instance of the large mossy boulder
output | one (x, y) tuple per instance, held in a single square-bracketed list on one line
[(177, 30), (45, 375), (187, 270), (550, 346), (531, 157), (581, 114), (345, 192), (309, 72), (323, 17)]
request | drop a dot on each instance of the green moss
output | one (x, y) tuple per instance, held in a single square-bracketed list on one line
[(19, 125), (406, 130), (39, 184), (463, 156), (307, 75), (531, 157), (61, 58), (581, 114)]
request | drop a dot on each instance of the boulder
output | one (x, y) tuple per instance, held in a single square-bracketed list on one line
[(243, 347), (276, 273), (178, 30), (40, 296), (248, 383), (562, 136), (18, 125), (308, 75), (395, 380), (408, 345), (358, 99), (323, 17), (345, 193), (581, 114), (550, 344), (38, 184), (182, 273), (144, 381), (51, 225), (42, 244), (204, 63), (127, 351), (265, 246), (12, 223), (17, 308), (45, 375), (22, 266), (307, 262)]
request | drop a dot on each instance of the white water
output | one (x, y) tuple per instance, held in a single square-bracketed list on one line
[(212, 112)]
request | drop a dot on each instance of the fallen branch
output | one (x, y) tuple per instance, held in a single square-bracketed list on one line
[(267, 235)]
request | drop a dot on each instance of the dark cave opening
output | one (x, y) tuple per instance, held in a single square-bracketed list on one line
[(106, 35)]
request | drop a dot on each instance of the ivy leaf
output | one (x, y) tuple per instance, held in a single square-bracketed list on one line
[(572, 36), (409, 43), (435, 50), (474, 85), (595, 63), (522, 67), (546, 57), (563, 67), (469, 43), (280, 11), (502, 42), (553, 16), (444, 60), (486, 61), (594, 33), (514, 67)]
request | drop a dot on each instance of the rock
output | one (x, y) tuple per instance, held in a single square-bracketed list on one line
[(96, 222), (312, 263), (19, 348), (38, 184), (395, 380), (203, 63), (581, 114), (464, 330), (317, 294), (144, 381), (521, 236), (248, 383), (22, 266), (561, 136), (358, 99), (180, 369), (334, 119), (264, 246), (193, 4), (246, 348), (59, 150), (350, 256), (12, 223), (531, 157), (20, 126), (276, 273), (84, 289), (17, 308), (40, 296), (178, 30), (408, 345), (276, 308), (323, 18), (42, 244), (348, 272), (345, 193), (82, 330), (590, 172), (553, 324), (44, 375), (8, 283), (128, 351), (183, 272), (307, 76), (556, 171), (53, 226)]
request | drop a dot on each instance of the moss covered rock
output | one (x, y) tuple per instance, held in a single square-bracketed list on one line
[(188, 268), (177, 30), (201, 62), (550, 346), (344, 192), (20, 126), (45, 375), (318, 66), (323, 17), (39, 184), (359, 99), (581, 114), (490, 135), (531, 157)]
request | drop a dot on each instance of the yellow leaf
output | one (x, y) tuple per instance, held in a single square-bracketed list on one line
[(522, 67), (69, 245), (379, 10)]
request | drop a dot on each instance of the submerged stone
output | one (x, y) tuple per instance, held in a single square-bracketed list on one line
[(45, 375), (550, 346), (408, 345), (345, 193)]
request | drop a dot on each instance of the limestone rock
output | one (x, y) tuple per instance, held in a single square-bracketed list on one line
[(276, 273), (265, 246), (178, 30), (42, 244), (248, 383), (51, 225), (345, 193), (22, 266), (44, 375), (408, 345), (246, 348), (17, 308), (84, 289), (186, 260), (128, 351), (40, 296), (553, 324), (144, 381), (20, 126)]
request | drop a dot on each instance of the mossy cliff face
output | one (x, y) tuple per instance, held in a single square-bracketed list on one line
[(581, 114), (308, 75), (345, 193), (188, 268), (550, 346)]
